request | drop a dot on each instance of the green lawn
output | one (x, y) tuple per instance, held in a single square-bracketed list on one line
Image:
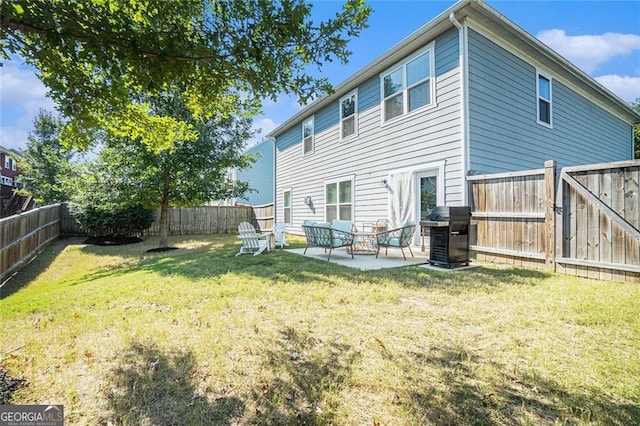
[(199, 336)]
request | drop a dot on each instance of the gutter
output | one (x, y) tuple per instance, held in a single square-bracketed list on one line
[(464, 101)]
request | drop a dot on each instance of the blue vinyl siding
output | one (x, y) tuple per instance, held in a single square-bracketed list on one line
[(326, 117), (293, 136), (447, 52), (369, 94), (584, 133), (259, 175), (504, 133)]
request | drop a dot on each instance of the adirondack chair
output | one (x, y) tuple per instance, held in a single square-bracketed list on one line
[(280, 234), (252, 242), (399, 237)]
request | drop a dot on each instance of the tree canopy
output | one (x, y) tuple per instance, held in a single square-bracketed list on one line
[(95, 57), (46, 166), (190, 173)]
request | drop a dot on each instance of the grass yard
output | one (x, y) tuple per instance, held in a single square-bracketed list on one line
[(199, 336)]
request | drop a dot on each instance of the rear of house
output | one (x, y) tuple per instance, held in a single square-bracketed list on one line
[(467, 93)]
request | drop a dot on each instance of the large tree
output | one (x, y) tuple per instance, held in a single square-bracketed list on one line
[(189, 173), (46, 167), (95, 56)]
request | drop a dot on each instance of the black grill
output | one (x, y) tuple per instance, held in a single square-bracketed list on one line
[(449, 231)]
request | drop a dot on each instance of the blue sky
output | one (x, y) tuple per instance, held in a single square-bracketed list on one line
[(600, 37)]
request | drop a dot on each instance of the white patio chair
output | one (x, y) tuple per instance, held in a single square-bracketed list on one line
[(252, 242), (280, 234)]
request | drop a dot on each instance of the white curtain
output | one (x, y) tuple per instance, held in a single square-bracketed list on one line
[(402, 198)]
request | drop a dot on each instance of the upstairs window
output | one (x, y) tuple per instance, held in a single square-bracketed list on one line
[(409, 86), (348, 116), (13, 165), (544, 100), (307, 136), (7, 162)]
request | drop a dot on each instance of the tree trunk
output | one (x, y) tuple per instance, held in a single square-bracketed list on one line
[(164, 213), (164, 224)]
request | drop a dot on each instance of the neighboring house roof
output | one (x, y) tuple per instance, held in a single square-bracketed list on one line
[(11, 151), (480, 13)]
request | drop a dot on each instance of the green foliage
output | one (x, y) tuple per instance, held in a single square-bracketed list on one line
[(118, 222), (47, 167), (191, 172), (229, 55)]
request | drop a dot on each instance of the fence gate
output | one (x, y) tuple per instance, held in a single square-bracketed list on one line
[(598, 232)]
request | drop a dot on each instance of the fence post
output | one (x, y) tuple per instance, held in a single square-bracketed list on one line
[(550, 213)]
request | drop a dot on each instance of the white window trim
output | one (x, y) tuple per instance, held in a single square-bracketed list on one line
[(284, 216), (337, 181), (313, 135), (405, 105), (540, 73), (355, 115)]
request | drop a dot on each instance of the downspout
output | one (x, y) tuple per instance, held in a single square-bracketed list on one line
[(464, 107)]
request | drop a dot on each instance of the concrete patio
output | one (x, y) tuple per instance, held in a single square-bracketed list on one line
[(367, 262)]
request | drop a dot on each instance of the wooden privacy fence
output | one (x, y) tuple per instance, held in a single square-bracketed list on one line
[(600, 227), (262, 217), (585, 222), (203, 220), (23, 236)]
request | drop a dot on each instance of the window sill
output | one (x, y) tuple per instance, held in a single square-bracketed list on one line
[(544, 124)]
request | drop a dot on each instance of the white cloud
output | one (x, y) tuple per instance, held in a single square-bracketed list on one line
[(19, 84), (589, 51), (627, 88), (22, 95), (13, 138)]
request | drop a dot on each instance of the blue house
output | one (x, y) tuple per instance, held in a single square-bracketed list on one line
[(259, 176), (470, 92)]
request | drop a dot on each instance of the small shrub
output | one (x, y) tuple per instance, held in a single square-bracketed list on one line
[(119, 222)]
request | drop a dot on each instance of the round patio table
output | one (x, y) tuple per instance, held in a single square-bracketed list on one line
[(364, 243)]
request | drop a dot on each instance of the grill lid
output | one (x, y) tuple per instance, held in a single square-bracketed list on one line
[(450, 214)]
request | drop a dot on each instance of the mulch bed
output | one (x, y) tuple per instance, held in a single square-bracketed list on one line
[(8, 385)]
